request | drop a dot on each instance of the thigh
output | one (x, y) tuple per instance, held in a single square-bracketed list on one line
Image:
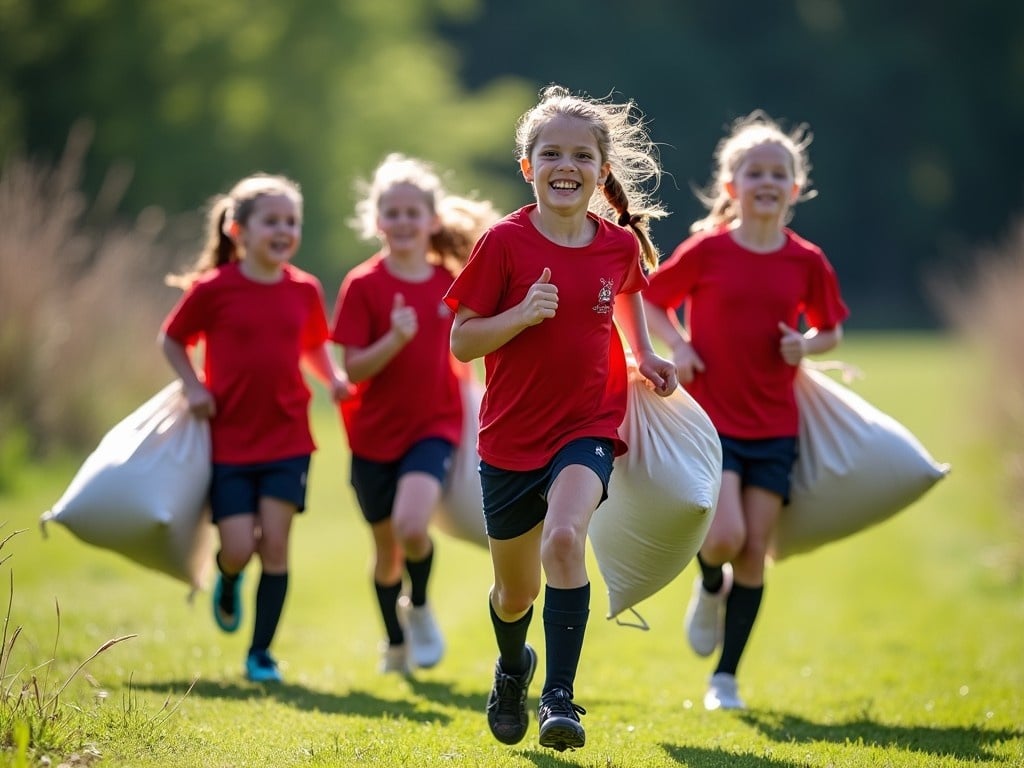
[(275, 522), (517, 573)]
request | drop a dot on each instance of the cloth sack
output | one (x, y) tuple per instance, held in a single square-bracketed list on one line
[(142, 491), (662, 494), (460, 512), (857, 467)]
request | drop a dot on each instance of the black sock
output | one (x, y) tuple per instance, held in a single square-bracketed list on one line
[(419, 575), (387, 599), (565, 622), (511, 637), (270, 596), (227, 602), (711, 575), (741, 609)]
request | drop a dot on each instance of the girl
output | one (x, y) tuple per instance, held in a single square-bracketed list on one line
[(536, 302), (259, 318), (747, 279), (405, 419)]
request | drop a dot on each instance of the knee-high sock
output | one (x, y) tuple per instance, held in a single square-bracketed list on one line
[(565, 623), (511, 637), (419, 575), (741, 609), (387, 599), (270, 596)]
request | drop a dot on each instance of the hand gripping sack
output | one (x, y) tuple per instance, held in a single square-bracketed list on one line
[(662, 494), (142, 492), (460, 513), (857, 467)]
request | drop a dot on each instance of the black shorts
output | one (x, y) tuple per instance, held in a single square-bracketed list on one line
[(236, 489), (764, 463), (376, 482), (514, 502)]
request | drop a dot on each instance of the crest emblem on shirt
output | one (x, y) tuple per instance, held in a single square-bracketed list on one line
[(604, 297)]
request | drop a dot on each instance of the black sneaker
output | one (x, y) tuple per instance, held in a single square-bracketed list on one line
[(559, 721), (506, 706)]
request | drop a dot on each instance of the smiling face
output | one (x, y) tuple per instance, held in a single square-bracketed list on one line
[(271, 233), (763, 183), (406, 220), (565, 165)]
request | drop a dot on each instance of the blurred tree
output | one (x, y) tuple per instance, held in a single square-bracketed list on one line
[(197, 94)]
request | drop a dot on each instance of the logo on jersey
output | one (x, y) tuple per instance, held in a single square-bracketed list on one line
[(599, 450), (604, 297)]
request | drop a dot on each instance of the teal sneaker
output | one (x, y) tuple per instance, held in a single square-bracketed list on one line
[(260, 667), (227, 620)]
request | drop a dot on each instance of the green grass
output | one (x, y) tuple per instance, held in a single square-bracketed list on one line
[(901, 646)]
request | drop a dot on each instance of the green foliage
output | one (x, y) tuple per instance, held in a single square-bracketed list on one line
[(897, 647)]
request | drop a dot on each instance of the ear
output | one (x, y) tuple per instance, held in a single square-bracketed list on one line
[(232, 229), (526, 169), (730, 189), (794, 193), (606, 169)]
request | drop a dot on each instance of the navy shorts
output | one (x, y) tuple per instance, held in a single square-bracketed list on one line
[(514, 502), (764, 463), (236, 489), (376, 482)]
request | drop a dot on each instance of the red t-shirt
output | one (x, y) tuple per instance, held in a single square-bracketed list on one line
[(561, 379), (255, 334), (735, 299), (416, 395)]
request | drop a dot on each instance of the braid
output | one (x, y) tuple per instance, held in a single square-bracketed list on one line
[(616, 197)]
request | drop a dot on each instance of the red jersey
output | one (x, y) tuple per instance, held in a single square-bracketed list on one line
[(735, 299), (255, 335), (416, 395), (561, 379)]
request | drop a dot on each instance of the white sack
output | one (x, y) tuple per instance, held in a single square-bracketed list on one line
[(460, 510), (662, 494), (857, 467), (142, 492)]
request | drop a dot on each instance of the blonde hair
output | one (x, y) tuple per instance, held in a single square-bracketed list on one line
[(236, 206), (746, 133), (463, 220), (626, 197)]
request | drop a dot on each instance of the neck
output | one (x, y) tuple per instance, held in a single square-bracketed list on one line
[(408, 266), (261, 273), (760, 236), (573, 229)]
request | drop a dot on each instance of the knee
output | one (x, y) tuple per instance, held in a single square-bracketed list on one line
[(414, 539), (563, 544), (512, 604), (724, 545), (235, 555)]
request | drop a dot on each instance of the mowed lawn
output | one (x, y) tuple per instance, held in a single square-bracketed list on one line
[(900, 646)]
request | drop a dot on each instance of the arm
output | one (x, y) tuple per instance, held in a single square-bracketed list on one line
[(794, 346), (666, 327), (629, 313), (364, 363), (200, 401), (474, 336), (321, 364)]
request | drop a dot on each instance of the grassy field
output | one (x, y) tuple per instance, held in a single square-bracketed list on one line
[(901, 646)]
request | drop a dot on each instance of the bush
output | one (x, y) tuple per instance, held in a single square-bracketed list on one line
[(81, 299), (988, 309)]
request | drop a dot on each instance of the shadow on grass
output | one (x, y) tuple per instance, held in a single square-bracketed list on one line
[(721, 758), (351, 702), (964, 743)]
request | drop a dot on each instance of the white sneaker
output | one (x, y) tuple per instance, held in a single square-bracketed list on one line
[(722, 693), (394, 658), (705, 615), (426, 645)]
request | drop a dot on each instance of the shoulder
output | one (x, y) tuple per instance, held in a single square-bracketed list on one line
[(514, 225), (802, 245)]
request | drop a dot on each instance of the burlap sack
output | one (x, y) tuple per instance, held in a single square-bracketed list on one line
[(857, 467), (142, 492)]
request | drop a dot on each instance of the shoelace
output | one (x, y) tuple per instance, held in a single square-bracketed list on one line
[(508, 700), (559, 704)]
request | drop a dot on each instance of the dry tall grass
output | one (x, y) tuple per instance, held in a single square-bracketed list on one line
[(988, 309), (81, 299)]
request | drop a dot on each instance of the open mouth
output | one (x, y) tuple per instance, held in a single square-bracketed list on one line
[(566, 185)]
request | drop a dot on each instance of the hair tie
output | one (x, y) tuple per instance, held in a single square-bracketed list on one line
[(625, 219)]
